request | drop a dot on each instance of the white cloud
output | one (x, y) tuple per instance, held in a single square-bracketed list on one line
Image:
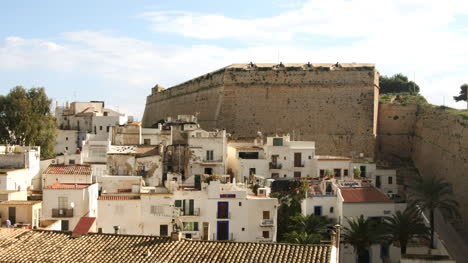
[(399, 36)]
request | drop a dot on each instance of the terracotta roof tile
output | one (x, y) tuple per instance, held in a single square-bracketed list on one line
[(363, 195), (119, 197), (84, 226), (53, 246), (68, 169), (58, 185)]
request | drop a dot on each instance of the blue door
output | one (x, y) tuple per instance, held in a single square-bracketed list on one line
[(223, 230)]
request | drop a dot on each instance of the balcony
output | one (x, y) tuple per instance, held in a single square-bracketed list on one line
[(195, 212), (62, 212), (264, 239), (228, 216), (299, 164), (206, 161), (267, 222), (275, 165)]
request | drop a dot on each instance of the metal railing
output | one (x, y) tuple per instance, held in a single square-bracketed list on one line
[(218, 216), (264, 239), (62, 212), (195, 212), (275, 165), (267, 222)]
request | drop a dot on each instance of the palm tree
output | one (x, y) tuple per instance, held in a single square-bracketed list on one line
[(361, 234), (405, 226), (430, 193), (311, 224), (302, 238)]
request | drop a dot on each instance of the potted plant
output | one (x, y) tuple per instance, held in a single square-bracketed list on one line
[(357, 173)]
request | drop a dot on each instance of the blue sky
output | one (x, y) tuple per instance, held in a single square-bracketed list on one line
[(117, 50)]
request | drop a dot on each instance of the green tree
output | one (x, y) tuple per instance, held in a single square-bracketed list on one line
[(431, 193), (406, 226), (311, 224), (289, 206), (463, 96), (397, 83), (302, 238), (26, 119), (361, 233)]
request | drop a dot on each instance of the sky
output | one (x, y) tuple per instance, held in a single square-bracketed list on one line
[(115, 50)]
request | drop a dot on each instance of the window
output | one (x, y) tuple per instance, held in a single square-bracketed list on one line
[(71, 162), (209, 155), (66, 138), (66, 148), (297, 174), (157, 210), (266, 234), (240, 203), (107, 128), (274, 175), (252, 171), (163, 230), (390, 180), (248, 155), (147, 141), (337, 172), (63, 202), (266, 214), (178, 203), (331, 210), (322, 172), (277, 141), (190, 226), (100, 128), (318, 210), (345, 172), (363, 171), (310, 157), (65, 225)]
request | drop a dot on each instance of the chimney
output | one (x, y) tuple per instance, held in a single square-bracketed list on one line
[(176, 236), (116, 230)]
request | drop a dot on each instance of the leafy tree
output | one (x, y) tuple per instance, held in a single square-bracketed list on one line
[(26, 119), (361, 233), (311, 224), (397, 83), (463, 93), (290, 205), (405, 226), (431, 193), (302, 238)]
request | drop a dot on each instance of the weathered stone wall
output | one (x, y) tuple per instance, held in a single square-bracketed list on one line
[(334, 106), (435, 140)]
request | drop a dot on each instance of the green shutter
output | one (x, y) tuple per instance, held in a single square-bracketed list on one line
[(195, 226), (178, 203), (191, 207)]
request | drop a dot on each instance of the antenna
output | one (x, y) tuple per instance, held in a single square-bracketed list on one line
[(278, 55)]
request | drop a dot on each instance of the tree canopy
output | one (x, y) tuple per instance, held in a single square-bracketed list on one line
[(26, 119), (463, 93), (397, 83)]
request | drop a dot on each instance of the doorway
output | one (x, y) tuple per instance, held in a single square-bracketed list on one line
[(223, 230)]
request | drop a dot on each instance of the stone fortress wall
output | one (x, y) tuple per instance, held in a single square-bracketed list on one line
[(333, 104), (436, 141)]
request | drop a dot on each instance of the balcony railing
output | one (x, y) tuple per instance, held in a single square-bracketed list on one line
[(301, 164), (267, 222), (62, 212), (195, 212), (264, 239), (275, 165), (223, 216), (229, 238), (212, 161)]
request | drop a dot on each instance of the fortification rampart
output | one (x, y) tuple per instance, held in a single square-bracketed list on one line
[(334, 105), (436, 141)]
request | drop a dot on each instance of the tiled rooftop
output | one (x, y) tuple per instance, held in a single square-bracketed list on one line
[(84, 226), (67, 186), (52, 246), (68, 169), (119, 197), (363, 195)]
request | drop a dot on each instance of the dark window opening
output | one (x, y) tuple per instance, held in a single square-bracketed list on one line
[(390, 180), (248, 155), (266, 234), (277, 141)]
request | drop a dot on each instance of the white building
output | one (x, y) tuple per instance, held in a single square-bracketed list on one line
[(69, 202), (22, 157), (67, 174), (220, 211)]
